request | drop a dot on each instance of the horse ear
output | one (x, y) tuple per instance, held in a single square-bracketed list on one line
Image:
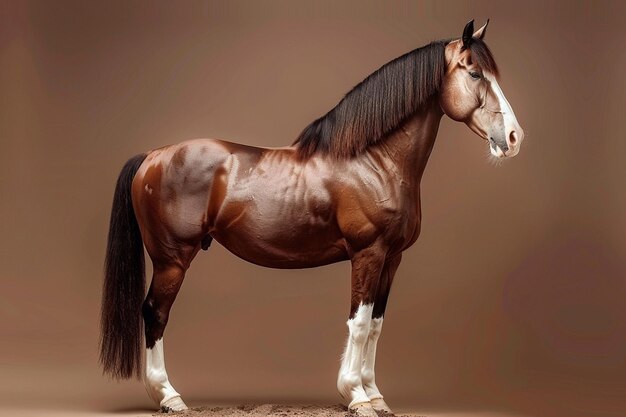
[(467, 34), (480, 33)]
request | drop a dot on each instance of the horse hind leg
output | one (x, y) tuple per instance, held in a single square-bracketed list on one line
[(166, 282)]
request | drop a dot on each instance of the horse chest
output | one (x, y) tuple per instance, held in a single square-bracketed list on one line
[(404, 228)]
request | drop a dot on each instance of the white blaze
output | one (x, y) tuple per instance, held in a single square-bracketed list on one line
[(510, 121)]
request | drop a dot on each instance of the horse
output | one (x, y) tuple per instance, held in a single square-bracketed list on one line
[(348, 188)]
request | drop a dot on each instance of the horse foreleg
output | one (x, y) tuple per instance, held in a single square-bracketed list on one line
[(380, 304), (166, 282), (366, 269), (367, 370)]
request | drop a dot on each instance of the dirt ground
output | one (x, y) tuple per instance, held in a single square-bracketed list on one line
[(249, 410), (271, 410)]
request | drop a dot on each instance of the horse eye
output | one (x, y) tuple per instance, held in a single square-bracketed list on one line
[(475, 75)]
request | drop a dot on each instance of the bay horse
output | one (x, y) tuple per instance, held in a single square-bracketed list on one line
[(347, 189)]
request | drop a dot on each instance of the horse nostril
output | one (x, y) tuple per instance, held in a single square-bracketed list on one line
[(513, 137)]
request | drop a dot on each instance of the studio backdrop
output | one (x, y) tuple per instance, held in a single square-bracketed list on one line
[(512, 299)]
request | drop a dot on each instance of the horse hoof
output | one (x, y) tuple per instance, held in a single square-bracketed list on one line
[(381, 407), (172, 405), (363, 410)]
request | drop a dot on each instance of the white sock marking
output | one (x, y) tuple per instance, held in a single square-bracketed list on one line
[(155, 376), (367, 371), (349, 382)]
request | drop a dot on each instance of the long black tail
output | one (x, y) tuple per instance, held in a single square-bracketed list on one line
[(124, 283)]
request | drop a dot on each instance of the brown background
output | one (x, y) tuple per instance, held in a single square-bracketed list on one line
[(512, 299)]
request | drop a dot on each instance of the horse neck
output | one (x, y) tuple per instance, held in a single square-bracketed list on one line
[(407, 148)]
